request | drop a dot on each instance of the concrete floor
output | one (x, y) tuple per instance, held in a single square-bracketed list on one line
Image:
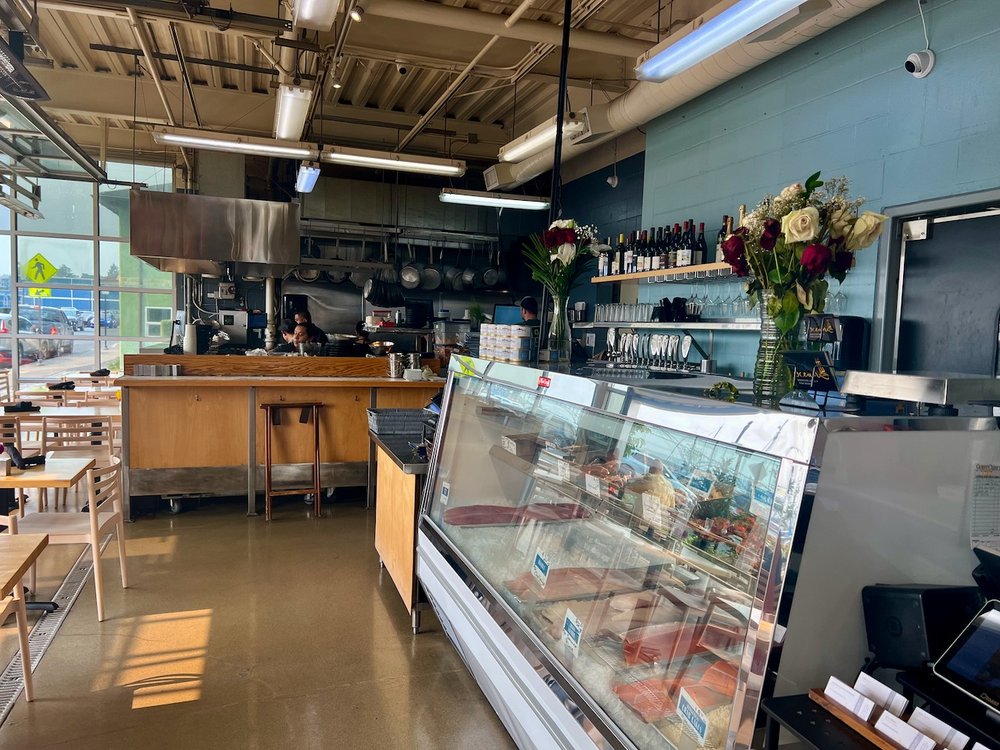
[(236, 633)]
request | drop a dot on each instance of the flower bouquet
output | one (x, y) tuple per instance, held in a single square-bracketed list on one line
[(790, 243), (558, 260)]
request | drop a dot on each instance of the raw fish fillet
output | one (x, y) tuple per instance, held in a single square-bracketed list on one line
[(648, 645), (483, 515), (651, 698), (576, 583), (721, 677)]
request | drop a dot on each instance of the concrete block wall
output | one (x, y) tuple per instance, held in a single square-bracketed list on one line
[(843, 104)]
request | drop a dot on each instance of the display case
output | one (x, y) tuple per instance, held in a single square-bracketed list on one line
[(608, 559)]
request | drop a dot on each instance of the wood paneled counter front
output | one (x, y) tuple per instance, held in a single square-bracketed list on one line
[(198, 435)]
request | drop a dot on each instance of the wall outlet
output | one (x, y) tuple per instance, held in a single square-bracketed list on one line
[(227, 291), (590, 340)]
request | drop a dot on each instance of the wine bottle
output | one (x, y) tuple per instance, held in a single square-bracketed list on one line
[(719, 255), (654, 255), (617, 256), (700, 247), (684, 251), (675, 243), (629, 253), (640, 264)]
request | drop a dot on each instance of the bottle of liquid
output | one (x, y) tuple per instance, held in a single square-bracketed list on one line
[(640, 257), (684, 251), (629, 253), (617, 256), (723, 234), (700, 247), (661, 247), (675, 244), (654, 255)]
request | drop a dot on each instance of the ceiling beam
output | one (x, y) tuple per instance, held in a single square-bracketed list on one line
[(201, 15), (129, 51)]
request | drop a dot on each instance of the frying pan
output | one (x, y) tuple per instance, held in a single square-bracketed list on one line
[(430, 276), (409, 276)]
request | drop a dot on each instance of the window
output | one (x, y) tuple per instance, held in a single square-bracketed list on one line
[(72, 297)]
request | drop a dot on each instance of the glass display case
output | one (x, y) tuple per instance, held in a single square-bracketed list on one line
[(631, 545)]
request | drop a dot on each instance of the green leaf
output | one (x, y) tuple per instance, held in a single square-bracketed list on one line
[(774, 307), (775, 276), (789, 302), (813, 181)]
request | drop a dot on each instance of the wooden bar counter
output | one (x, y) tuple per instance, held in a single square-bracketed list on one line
[(199, 433)]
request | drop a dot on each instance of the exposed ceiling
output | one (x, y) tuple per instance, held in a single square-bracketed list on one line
[(89, 58)]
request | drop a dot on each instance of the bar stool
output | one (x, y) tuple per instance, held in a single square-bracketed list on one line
[(272, 413)]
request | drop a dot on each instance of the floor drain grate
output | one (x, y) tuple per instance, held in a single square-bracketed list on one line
[(40, 637)]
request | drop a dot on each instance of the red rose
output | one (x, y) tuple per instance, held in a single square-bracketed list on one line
[(568, 236), (816, 259), (734, 252), (769, 237), (552, 238), (842, 262)]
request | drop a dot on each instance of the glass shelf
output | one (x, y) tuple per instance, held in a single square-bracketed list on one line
[(707, 325), (700, 274)]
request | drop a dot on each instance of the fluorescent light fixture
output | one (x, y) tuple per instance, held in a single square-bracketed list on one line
[(306, 179), (674, 56), (233, 144), (336, 84), (540, 137), (290, 112), (358, 12), (497, 200), (357, 157), (315, 14)]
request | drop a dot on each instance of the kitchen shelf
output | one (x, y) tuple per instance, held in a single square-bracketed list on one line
[(684, 274), (722, 325)]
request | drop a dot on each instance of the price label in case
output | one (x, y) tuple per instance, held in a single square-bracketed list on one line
[(445, 491), (572, 632), (565, 471), (544, 382), (593, 484), (540, 568), (692, 716), (508, 445)]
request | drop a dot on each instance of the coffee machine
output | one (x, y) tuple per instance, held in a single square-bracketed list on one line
[(844, 337)]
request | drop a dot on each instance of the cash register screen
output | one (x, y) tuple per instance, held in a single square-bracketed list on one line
[(507, 314), (972, 662)]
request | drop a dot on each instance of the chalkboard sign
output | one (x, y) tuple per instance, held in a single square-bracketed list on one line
[(813, 371)]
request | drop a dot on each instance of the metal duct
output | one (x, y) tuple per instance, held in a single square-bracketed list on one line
[(201, 234), (647, 100)]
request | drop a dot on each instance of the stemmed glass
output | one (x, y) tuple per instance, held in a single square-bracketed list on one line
[(838, 303)]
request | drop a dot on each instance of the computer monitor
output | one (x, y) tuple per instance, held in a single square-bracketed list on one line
[(507, 315), (972, 663)]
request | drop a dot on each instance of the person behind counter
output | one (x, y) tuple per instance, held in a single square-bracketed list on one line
[(529, 311), (288, 338), (316, 334)]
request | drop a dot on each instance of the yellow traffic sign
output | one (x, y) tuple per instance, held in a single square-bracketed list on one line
[(39, 269), (39, 292)]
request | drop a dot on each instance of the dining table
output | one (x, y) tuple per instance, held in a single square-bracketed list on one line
[(18, 552)]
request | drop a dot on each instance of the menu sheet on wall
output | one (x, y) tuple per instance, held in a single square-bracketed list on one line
[(984, 493)]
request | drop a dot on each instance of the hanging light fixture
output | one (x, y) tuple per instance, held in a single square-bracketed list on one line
[(540, 138), (315, 14), (358, 12), (396, 162), (494, 200), (233, 144), (291, 111), (306, 179), (673, 55)]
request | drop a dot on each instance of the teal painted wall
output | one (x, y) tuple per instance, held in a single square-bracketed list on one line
[(843, 104)]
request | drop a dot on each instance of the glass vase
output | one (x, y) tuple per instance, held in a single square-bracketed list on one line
[(560, 340), (771, 379)]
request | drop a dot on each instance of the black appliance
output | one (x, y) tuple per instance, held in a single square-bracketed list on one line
[(910, 625), (845, 337), (293, 303)]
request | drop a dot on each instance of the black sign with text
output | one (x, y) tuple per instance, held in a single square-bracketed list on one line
[(813, 371)]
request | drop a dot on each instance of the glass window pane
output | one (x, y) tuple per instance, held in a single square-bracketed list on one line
[(68, 207), (5, 280), (49, 358), (119, 268), (134, 314), (5, 215), (113, 200), (73, 261), (58, 312), (6, 349)]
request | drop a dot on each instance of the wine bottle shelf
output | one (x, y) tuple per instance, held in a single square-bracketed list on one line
[(706, 272), (708, 325)]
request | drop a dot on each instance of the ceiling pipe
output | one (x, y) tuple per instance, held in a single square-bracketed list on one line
[(646, 100), (443, 99), (184, 73), (518, 12), (145, 44), (490, 24)]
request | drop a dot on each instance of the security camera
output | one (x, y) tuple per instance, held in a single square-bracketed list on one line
[(613, 180), (919, 64), (402, 67)]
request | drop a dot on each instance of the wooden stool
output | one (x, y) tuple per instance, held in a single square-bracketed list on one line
[(272, 413)]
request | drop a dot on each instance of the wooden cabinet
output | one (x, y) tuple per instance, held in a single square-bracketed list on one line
[(343, 425)]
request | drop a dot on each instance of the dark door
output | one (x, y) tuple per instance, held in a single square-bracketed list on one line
[(951, 298)]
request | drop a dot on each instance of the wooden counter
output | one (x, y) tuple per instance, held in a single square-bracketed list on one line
[(274, 366), (205, 435)]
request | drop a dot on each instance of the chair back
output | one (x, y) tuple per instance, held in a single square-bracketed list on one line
[(50, 398), (77, 433), (101, 398), (104, 488), (6, 391), (10, 430)]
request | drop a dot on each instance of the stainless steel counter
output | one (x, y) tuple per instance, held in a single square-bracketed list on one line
[(397, 447)]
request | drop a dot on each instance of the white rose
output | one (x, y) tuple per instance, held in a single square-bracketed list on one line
[(792, 191), (866, 230), (840, 223), (801, 225), (563, 224), (566, 253)]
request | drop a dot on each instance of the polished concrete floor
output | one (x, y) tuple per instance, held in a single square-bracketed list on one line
[(236, 633)]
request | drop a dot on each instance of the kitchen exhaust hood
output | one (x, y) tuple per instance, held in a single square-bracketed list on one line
[(200, 234)]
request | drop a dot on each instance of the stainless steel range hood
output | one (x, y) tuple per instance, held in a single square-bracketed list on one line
[(202, 234)]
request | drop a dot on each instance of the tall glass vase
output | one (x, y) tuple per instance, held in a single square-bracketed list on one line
[(559, 341), (770, 376)]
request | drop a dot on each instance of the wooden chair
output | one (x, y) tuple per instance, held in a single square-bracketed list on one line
[(6, 391), (13, 604), (103, 515), (43, 398), (78, 437), (10, 433)]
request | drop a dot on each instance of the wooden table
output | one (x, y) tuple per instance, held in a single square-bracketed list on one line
[(86, 377), (66, 411), (18, 553), (55, 474), (42, 388)]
